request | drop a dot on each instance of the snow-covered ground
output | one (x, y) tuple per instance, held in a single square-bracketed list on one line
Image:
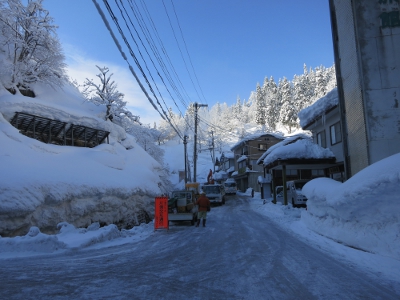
[(288, 218), (58, 186)]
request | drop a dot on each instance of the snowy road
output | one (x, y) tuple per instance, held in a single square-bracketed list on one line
[(239, 255)]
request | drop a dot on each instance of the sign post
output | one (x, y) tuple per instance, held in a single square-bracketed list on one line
[(161, 213)]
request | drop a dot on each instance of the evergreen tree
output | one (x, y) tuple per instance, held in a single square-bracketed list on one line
[(288, 114), (269, 100), (237, 109), (260, 106), (273, 104), (320, 82), (331, 78)]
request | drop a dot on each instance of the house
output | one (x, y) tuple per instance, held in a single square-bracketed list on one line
[(246, 154), (226, 167), (305, 156), (296, 157), (323, 119)]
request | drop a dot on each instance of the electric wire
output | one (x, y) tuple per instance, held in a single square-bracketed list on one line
[(164, 115), (180, 50), (163, 49), (143, 26), (232, 134), (141, 55), (153, 47), (187, 51), (100, 11)]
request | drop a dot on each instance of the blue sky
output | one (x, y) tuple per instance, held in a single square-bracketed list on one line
[(233, 44)]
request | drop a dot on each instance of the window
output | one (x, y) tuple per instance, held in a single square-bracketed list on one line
[(321, 139), (291, 172), (253, 162), (318, 173), (336, 134), (242, 164), (245, 151), (262, 147)]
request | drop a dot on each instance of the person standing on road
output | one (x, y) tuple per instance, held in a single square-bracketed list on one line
[(204, 205)]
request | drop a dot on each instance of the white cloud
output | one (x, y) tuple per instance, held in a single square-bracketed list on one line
[(80, 67)]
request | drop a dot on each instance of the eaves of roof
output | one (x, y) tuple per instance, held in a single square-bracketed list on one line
[(301, 161), (318, 117)]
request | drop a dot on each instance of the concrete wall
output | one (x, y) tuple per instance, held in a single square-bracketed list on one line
[(366, 40), (379, 40)]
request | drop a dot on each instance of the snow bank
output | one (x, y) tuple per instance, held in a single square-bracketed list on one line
[(44, 184), (363, 212), (71, 238)]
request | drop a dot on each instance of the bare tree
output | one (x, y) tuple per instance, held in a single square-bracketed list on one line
[(29, 43), (106, 94)]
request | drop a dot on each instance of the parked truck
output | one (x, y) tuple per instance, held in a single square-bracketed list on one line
[(215, 193), (230, 186), (181, 204)]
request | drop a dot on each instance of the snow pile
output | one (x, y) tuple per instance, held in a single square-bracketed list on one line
[(312, 112), (44, 184), (71, 238), (362, 212)]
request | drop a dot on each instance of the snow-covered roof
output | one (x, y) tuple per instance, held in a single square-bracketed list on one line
[(220, 175), (286, 141), (262, 179), (231, 169), (300, 149), (228, 154), (321, 106), (242, 158), (254, 137)]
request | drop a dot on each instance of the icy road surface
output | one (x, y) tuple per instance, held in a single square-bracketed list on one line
[(239, 255)]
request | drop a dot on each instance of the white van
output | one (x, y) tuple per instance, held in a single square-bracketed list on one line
[(230, 187), (294, 192)]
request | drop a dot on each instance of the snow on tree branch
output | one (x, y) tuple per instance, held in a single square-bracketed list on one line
[(29, 45), (105, 93)]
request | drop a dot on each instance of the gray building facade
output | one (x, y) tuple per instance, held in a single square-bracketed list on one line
[(366, 38)]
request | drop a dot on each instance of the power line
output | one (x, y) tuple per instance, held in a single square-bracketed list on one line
[(173, 31), (163, 49), (187, 51), (137, 46), (154, 49), (133, 55)]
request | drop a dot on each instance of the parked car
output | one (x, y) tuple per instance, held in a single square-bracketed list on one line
[(294, 192), (230, 187), (215, 192)]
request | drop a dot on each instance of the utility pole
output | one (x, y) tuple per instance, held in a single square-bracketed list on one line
[(213, 149), (185, 147), (196, 107)]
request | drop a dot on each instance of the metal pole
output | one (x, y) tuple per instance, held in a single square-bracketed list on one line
[(184, 147), (285, 200), (196, 107), (195, 142), (212, 134)]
